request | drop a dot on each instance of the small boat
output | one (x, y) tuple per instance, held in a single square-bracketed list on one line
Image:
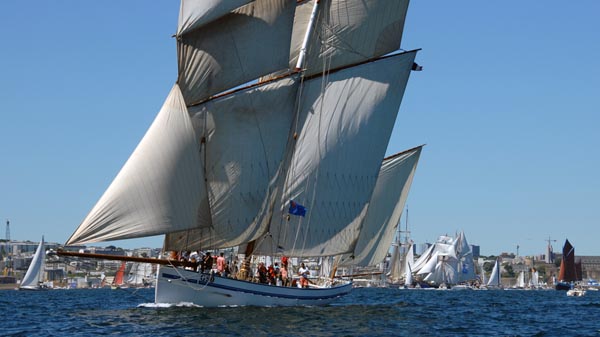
[(119, 281), (35, 272), (576, 292)]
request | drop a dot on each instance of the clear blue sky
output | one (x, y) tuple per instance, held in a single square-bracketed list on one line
[(508, 105)]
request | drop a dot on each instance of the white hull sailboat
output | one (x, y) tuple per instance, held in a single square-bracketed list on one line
[(177, 285), (33, 277), (272, 140)]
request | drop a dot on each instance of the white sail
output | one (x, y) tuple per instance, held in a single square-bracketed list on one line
[(34, 274), (159, 190), (194, 13), (348, 32), (353, 113), (521, 280), (482, 274), (236, 48), (494, 280), (395, 262), (140, 274), (385, 208), (245, 136), (408, 261), (444, 270), (443, 246), (535, 279), (466, 266)]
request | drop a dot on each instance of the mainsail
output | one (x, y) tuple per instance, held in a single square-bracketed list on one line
[(248, 127), (568, 272)]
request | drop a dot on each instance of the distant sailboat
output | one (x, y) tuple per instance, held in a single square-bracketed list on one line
[(119, 279), (449, 261), (35, 272), (520, 281), (568, 269), (494, 281)]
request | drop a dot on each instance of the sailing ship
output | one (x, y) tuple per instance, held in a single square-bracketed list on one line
[(568, 274), (401, 257), (271, 140), (33, 279), (448, 262)]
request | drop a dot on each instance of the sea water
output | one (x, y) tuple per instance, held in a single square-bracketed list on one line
[(364, 312)]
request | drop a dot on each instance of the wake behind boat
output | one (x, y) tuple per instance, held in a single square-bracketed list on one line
[(271, 142)]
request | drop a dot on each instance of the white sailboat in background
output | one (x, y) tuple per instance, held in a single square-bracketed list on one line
[(520, 284), (494, 281), (33, 279), (140, 275), (448, 262), (272, 140)]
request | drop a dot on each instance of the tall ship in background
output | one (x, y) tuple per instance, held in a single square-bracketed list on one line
[(272, 141)]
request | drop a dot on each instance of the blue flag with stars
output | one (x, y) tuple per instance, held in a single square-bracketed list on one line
[(297, 209)]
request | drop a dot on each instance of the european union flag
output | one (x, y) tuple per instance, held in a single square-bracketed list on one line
[(296, 208)]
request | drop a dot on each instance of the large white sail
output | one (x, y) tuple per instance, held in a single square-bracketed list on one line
[(245, 136), (347, 32), (351, 113), (234, 49), (385, 208), (159, 190), (34, 273)]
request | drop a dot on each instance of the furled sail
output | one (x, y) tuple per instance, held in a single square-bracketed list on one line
[(218, 54), (344, 125), (385, 208), (159, 190), (245, 135), (347, 32)]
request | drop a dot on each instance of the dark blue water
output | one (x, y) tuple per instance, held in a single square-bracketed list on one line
[(365, 312)]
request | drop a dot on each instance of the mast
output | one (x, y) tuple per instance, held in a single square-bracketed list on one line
[(309, 30)]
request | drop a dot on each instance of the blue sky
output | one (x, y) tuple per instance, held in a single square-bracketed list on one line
[(508, 105)]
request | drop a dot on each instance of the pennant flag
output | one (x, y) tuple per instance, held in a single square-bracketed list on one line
[(296, 209), (416, 67)]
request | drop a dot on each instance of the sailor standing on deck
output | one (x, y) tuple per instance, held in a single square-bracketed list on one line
[(303, 272)]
